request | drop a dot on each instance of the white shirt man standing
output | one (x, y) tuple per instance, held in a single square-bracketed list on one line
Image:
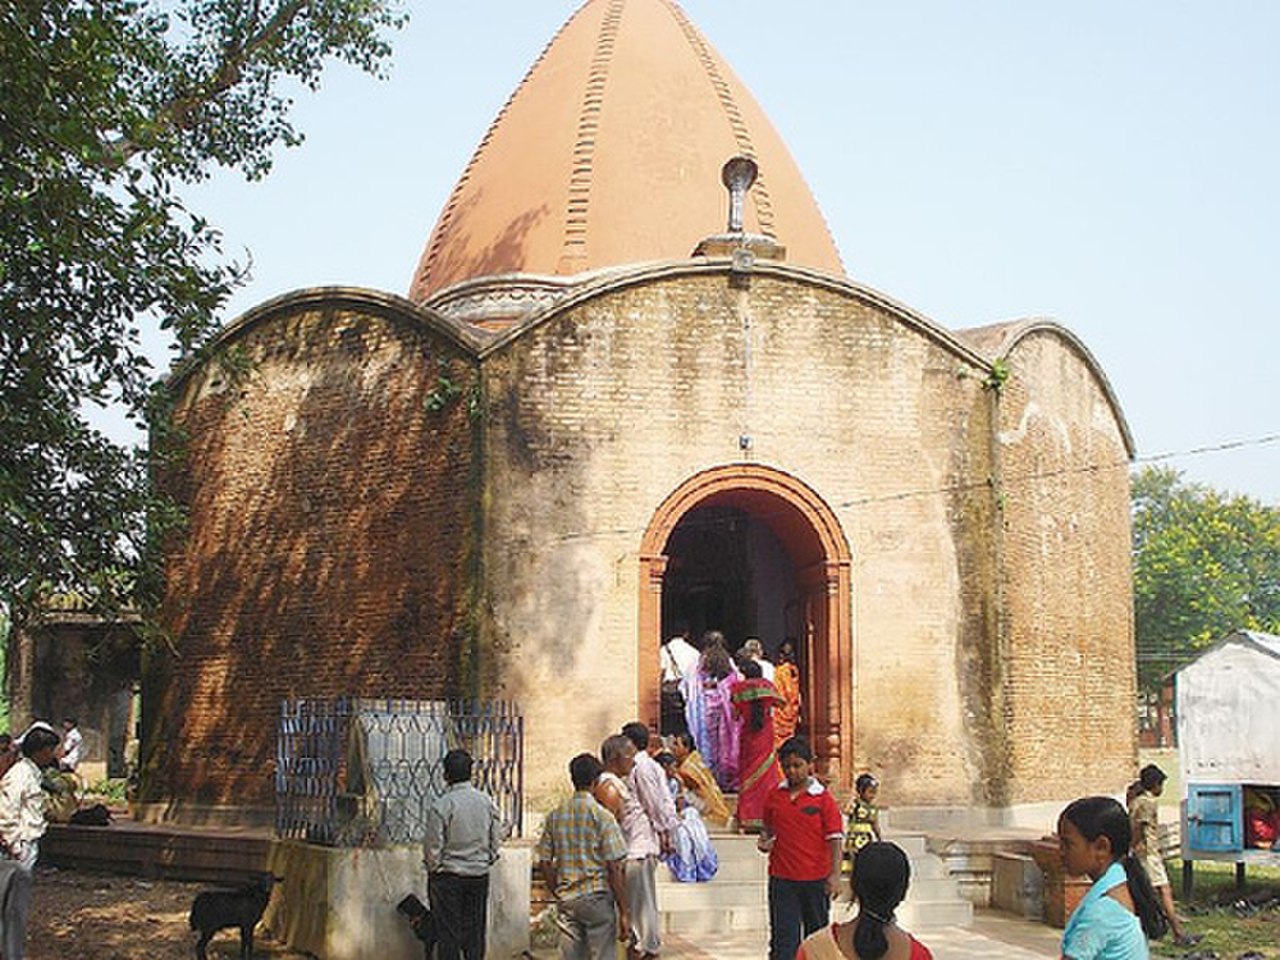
[(22, 824), (72, 746), (678, 658)]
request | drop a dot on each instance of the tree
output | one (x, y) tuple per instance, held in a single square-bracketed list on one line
[(1204, 563), (107, 108)]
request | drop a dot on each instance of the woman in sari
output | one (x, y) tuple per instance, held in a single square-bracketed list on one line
[(697, 776), (709, 710), (693, 858), (754, 700), (786, 677)]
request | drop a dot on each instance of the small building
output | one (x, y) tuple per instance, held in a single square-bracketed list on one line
[(1228, 712), (69, 661)]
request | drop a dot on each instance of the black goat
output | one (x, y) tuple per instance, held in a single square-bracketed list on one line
[(215, 910)]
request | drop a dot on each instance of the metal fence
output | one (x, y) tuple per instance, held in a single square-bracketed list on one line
[(355, 772)]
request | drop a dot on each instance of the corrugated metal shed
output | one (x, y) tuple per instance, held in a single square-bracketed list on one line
[(1228, 705)]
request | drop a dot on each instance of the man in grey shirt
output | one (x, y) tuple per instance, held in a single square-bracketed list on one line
[(464, 832)]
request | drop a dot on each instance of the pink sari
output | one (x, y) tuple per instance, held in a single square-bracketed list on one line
[(711, 722)]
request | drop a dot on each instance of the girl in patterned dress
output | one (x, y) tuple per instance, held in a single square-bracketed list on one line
[(862, 818)]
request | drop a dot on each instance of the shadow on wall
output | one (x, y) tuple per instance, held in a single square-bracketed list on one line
[(450, 257), (331, 546)]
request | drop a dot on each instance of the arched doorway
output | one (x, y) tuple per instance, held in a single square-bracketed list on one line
[(733, 541)]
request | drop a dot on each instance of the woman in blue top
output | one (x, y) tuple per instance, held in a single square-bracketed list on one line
[(1120, 911)]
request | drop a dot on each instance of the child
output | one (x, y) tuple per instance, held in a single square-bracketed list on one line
[(1120, 910), (863, 818), (803, 838), (1144, 820)]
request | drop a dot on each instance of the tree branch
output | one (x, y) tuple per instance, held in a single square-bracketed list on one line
[(229, 72)]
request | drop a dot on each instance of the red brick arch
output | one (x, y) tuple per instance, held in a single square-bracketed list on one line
[(810, 533)]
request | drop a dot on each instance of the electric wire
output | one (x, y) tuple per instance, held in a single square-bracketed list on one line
[(1003, 483)]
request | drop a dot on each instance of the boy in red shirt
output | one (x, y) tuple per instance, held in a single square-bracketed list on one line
[(803, 835)]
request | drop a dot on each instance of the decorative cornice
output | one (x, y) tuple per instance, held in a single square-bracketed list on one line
[(1008, 337), (601, 283), (464, 337)]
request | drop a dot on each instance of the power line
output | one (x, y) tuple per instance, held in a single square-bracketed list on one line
[(1005, 482), (1214, 448)]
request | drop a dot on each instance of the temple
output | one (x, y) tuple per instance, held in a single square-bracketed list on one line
[(605, 406)]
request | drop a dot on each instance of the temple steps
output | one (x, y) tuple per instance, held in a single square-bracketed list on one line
[(737, 899)]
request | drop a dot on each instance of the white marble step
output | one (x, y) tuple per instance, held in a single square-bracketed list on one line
[(912, 844), (714, 894), (737, 899), (923, 914)]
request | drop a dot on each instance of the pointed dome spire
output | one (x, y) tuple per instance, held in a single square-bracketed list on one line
[(609, 152)]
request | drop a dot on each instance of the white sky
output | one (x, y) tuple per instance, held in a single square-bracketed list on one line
[(1112, 165)]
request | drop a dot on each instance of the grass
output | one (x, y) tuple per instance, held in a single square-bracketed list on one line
[(1232, 922)]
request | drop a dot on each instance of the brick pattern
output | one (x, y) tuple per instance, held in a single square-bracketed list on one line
[(335, 543), (1069, 664), (331, 495), (597, 415)]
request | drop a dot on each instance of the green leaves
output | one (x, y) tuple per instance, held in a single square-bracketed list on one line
[(107, 107), (1205, 563)]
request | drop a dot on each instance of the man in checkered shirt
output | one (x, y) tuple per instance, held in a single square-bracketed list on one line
[(581, 853)]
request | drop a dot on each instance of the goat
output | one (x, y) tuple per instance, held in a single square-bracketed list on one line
[(215, 910)]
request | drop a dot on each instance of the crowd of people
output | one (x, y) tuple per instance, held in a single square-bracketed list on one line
[(730, 725), (637, 805), (738, 709), (646, 800)]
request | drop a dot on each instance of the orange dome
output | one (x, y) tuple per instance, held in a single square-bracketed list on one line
[(609, 152)]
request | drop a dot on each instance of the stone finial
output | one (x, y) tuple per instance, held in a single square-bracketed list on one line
[(738, 174), (735, 244)]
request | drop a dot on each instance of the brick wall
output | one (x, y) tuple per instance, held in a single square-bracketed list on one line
[(1069, 663), (331, 490), (600, 412), (344, 538)]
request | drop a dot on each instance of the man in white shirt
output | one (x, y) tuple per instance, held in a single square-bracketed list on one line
[(22, 801), (22, 824), (615, 791), (72, 746), (678, 659)]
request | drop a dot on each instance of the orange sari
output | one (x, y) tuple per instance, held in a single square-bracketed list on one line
[(786, 677), (698, 777)]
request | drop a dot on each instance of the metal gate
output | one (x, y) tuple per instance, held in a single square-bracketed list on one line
[(362, 772)]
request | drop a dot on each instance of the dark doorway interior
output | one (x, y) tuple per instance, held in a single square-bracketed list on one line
[(727, 571)]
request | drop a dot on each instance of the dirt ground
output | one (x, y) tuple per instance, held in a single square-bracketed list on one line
[(92, 916)]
